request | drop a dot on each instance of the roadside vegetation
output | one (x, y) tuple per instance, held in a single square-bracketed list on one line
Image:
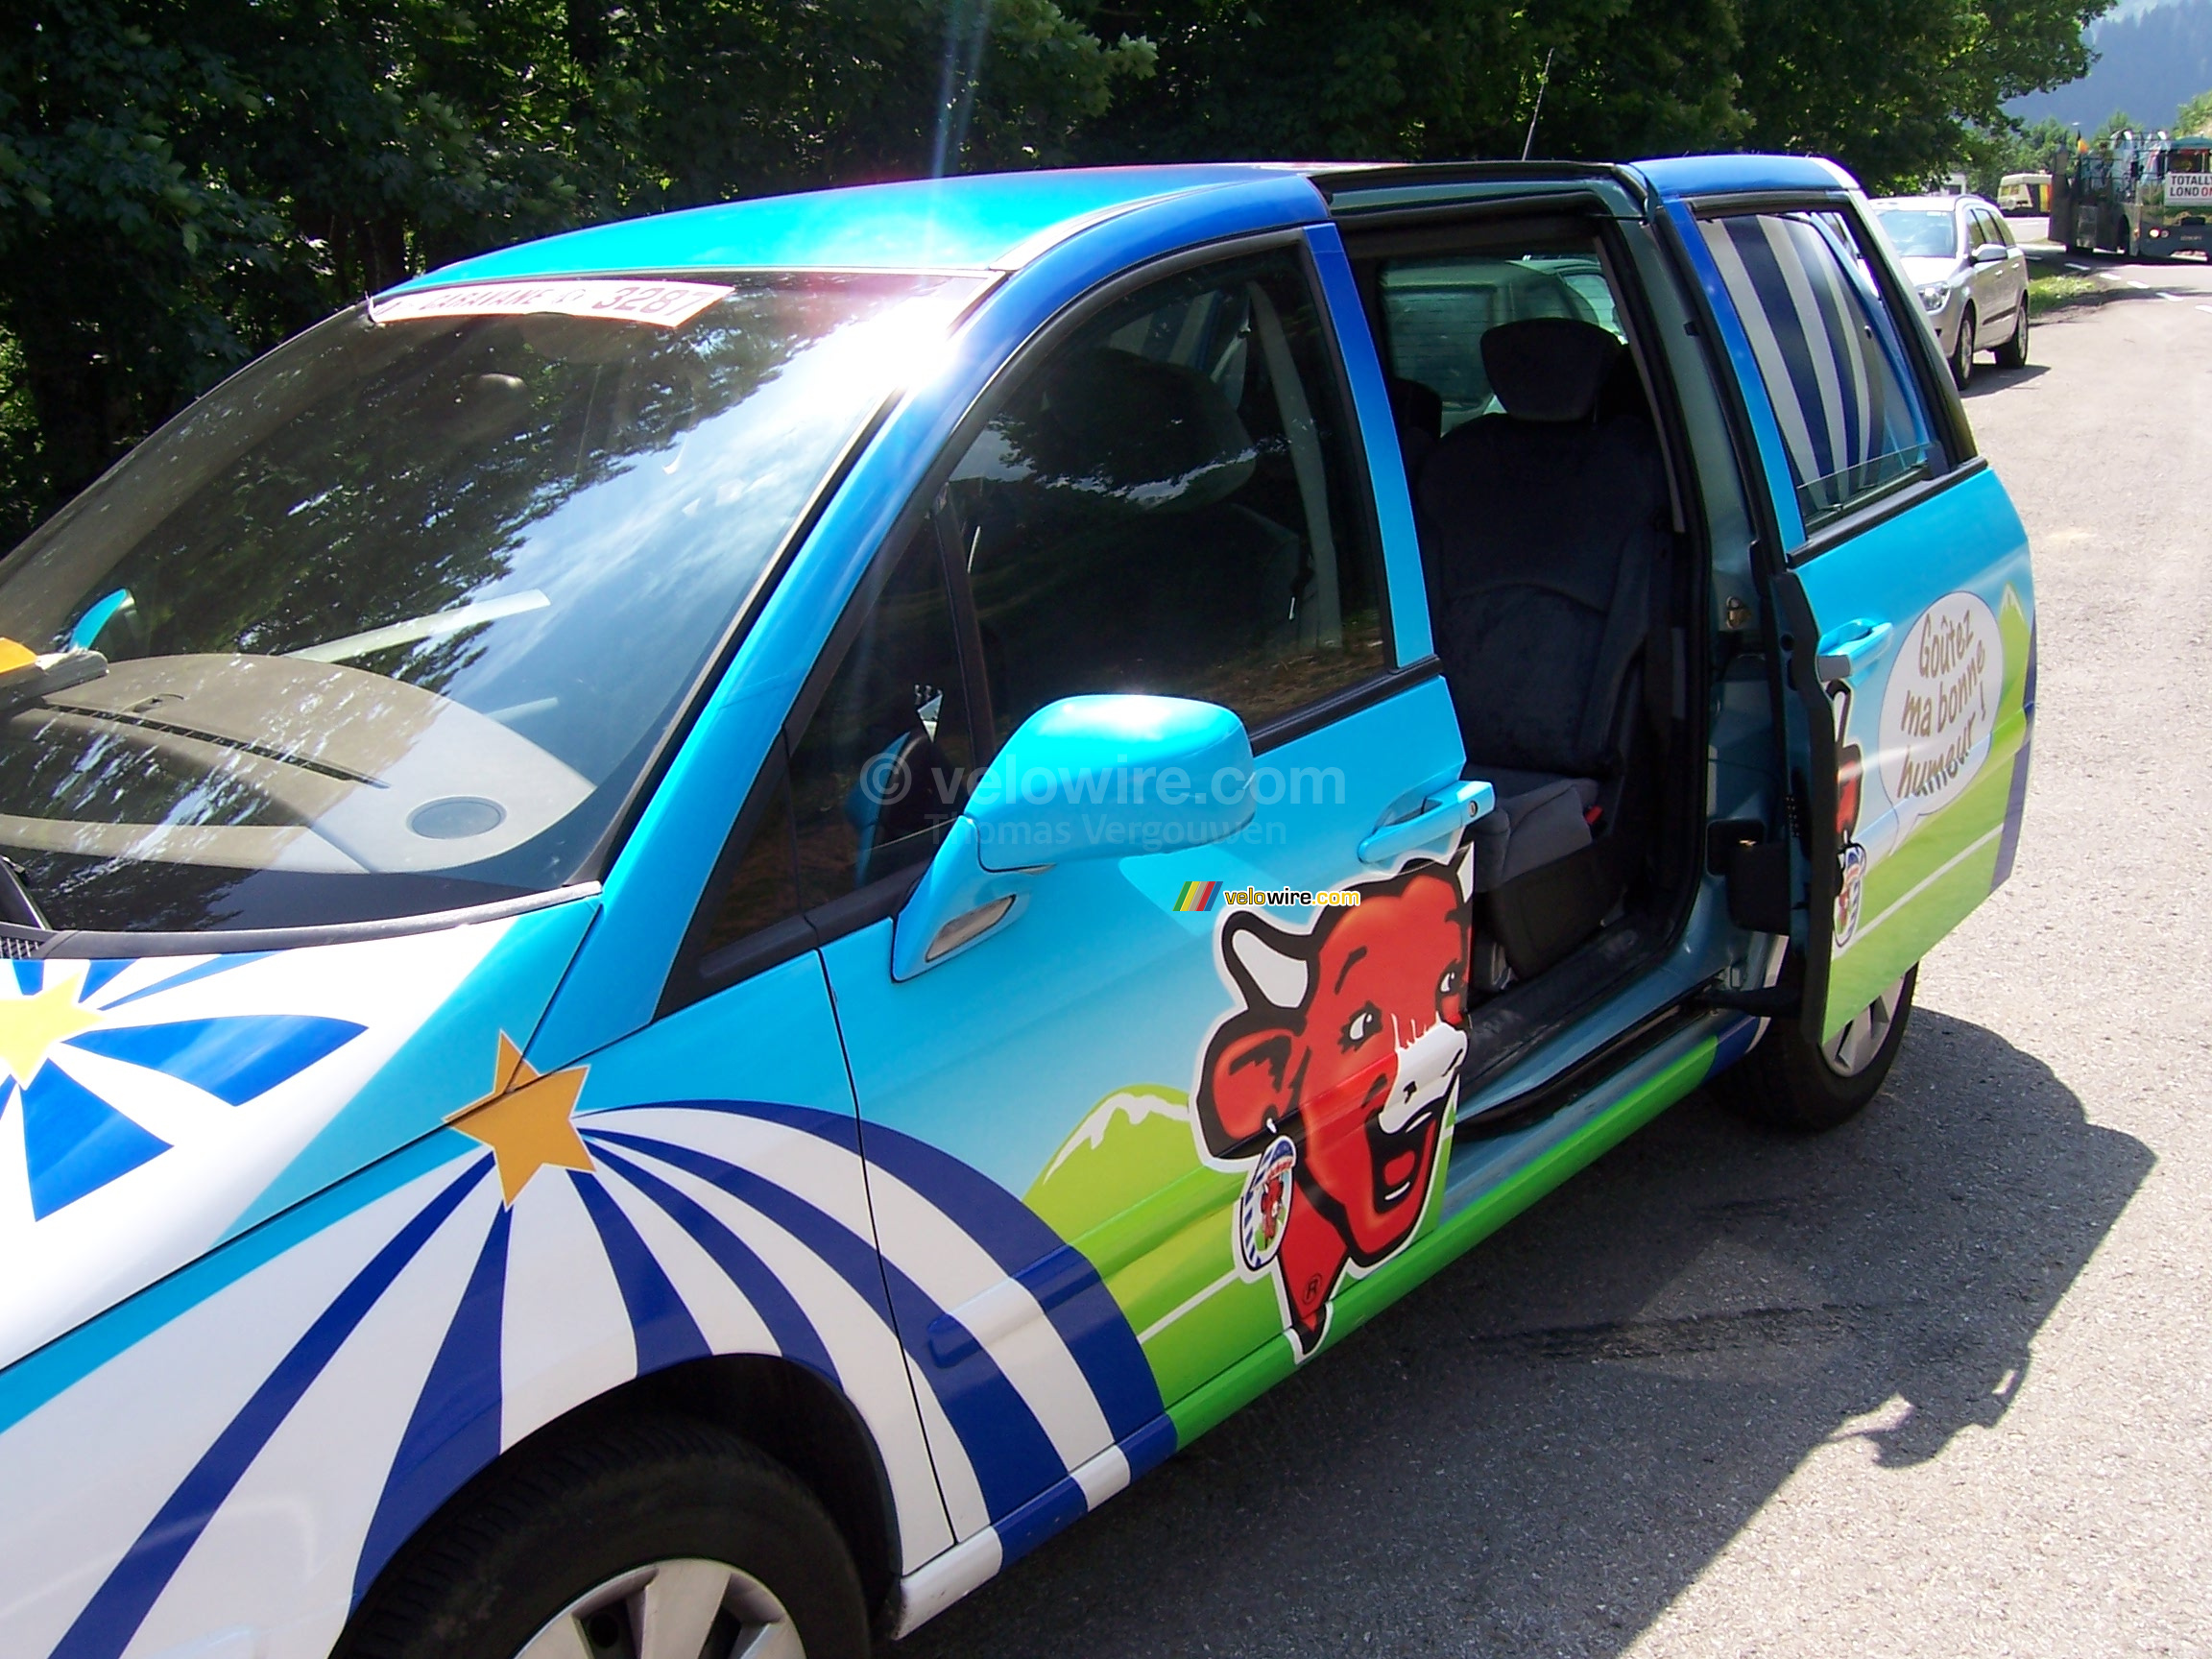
[(2060, 289), (182, 183)]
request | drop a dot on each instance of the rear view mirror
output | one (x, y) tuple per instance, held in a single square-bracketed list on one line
[(1106, 776), (1990, 254), (1083, 779)]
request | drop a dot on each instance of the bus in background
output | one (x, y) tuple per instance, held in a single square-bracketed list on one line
[(2141, 197)]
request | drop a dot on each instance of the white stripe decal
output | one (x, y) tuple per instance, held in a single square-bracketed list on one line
[(300, 1514), (825, 1175), (1196, 1300), (1942, 869), (565, 1328), (964, 1500), (860, 1345), (1812, 331), (1773, 369), (953, 1269), (727, 1322)]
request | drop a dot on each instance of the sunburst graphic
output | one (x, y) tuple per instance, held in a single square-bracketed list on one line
[(79, 1137)]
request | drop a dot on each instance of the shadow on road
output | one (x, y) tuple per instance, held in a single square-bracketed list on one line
[(1543, 1446), (1987, 381)]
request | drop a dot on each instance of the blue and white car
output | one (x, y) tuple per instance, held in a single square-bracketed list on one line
[(710, 920)]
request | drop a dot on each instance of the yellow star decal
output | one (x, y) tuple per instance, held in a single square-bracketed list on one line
[(526, 1121), (30, 1026)]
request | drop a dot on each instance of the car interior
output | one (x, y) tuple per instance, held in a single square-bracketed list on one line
[(1560, 596)]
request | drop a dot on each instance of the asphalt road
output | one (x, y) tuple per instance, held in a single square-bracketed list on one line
[(1938, 1383)]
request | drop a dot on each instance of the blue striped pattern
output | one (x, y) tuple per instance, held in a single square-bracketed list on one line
[(455, 1428), (121, 1603)]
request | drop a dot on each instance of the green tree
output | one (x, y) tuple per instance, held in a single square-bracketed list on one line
[(182, 183), (2195, 117), (1891, 88)]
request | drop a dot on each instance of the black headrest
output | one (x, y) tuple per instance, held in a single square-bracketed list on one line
[(1549, 368), (1161, 437)]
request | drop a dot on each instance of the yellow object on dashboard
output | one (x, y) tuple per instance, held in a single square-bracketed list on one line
[(15, 655)]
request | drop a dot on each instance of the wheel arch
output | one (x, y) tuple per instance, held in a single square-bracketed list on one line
[(792, 1414)]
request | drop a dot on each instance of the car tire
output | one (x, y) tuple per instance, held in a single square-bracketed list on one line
[(1962, 353), (1787, 1083), (634, 1535), (2013, 353)]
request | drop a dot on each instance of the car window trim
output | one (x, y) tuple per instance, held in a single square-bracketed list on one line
[(91, 944), (1880, 506), (1365, 509)]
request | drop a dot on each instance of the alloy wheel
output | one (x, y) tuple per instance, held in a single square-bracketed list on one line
[(1852, 1050), (688, 1609)]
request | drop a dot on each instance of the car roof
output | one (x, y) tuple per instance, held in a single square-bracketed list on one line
[(972, 221), (1941, 203), (999, 221)]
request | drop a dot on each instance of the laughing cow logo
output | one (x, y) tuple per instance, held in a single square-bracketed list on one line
[(1330, 1083)]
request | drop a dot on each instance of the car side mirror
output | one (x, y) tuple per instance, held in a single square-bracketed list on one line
[(1990, 254), (1086, 777)]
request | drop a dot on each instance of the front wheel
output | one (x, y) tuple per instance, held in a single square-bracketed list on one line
[(1789, 1084), (657, 1540), (2013, 353), (1962, 353)]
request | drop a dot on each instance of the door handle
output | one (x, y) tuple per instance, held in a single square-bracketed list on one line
[(1444, 813), (1849, 647)]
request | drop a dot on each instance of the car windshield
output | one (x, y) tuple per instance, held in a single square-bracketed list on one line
[(394, 620), (1921, 233)]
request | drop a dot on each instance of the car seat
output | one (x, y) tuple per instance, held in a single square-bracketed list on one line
[(1113, 549), (1545, 540)]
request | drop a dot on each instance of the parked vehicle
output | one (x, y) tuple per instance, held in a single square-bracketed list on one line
[(2023, 194), (711, 920), (1970, 275), (2141, 196)]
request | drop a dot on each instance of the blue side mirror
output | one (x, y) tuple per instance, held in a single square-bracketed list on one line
[(1104, 776), (1108, 777)]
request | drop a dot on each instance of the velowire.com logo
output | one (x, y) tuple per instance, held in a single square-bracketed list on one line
[(1200, 896)]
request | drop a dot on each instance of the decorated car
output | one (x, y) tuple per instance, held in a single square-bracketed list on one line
[(708, 922)]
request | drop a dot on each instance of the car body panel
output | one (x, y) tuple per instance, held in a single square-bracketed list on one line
[(982, 1204), (1933, 730)]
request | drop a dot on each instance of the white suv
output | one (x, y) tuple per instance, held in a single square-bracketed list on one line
[(1971, 275)]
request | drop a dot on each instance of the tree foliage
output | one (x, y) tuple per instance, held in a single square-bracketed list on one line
[(184, 181)]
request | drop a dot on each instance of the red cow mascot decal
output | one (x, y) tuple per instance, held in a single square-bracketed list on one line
[(1330, 1083)]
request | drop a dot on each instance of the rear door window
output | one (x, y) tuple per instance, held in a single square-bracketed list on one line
[(1852, 422)]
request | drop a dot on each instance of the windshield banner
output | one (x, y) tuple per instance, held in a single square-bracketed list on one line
[(662, 305)]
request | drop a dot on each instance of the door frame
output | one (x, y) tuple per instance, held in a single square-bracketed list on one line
[(1805, 724)]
